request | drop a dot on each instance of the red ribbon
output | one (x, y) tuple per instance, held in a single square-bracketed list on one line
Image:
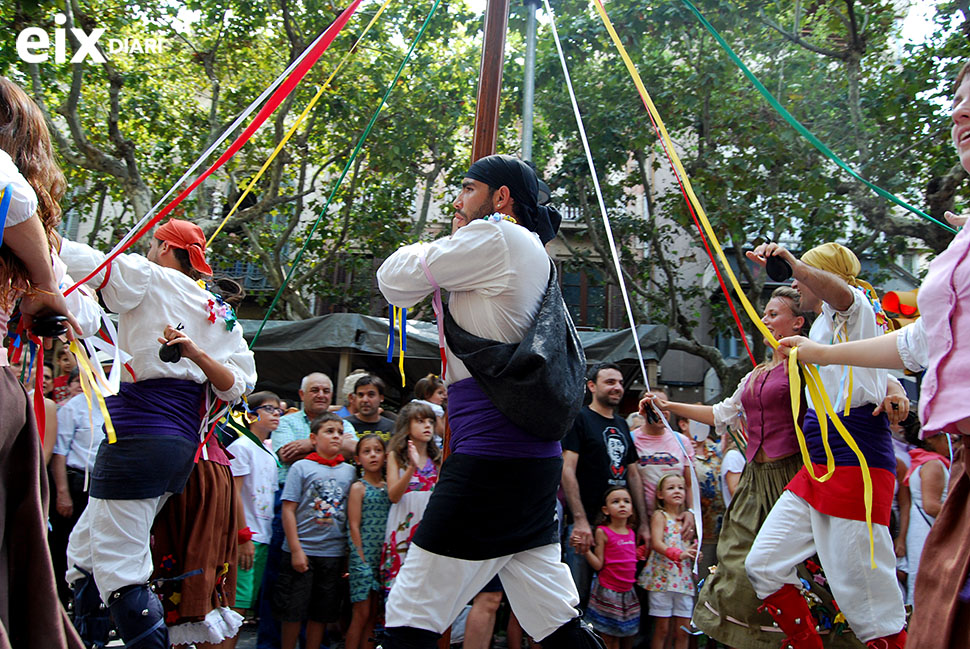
[(275, 100)]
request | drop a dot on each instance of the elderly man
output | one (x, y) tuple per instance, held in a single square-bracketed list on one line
[(829, 518), (493, 509)]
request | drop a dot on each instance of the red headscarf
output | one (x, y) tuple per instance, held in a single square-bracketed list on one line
[(188, 237)]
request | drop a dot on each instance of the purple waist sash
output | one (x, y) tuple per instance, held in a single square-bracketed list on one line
[(870, 433), (478, 428), (172, 407)]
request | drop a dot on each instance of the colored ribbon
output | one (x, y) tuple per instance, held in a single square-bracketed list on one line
[(4, 208), (89, 386), (343, 174), (439, 311), (794, 123), (320, 46), (299, 121), (695, 491)]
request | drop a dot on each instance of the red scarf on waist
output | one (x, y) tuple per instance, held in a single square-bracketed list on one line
[(920, 457), (316, 457)]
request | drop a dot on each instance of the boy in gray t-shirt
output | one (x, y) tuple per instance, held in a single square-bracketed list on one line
[(315, 549)]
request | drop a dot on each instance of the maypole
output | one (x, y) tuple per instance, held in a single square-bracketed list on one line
[(490, 79)]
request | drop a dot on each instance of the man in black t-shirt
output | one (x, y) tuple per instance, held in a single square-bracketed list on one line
[(369, 391), (598, 453)]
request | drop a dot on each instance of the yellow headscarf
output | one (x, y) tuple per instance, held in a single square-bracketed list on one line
[(839, 260)]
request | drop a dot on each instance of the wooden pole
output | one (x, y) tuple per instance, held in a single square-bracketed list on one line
[(490, 79)]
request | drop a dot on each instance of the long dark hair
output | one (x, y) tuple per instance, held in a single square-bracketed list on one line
[(24, 135), (603, 518), (399, 441)]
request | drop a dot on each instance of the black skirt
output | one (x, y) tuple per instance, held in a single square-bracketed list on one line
[(483, 508)]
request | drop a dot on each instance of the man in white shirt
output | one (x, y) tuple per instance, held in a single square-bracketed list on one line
[(493, 508)]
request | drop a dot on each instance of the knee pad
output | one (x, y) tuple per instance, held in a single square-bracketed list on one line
[(139, 616), (91, 618), (406, 637), (574, 634)]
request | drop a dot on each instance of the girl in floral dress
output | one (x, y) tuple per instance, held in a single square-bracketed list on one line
[(413, 460), (666, 575)]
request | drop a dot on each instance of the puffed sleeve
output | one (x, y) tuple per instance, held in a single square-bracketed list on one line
[(81, 303), (911, 344), (475, 258), (728, 414), (23, 200), (128, 276), (242, 364)]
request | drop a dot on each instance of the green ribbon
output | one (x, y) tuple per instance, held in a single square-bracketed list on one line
[(801, 129), (343, 174)]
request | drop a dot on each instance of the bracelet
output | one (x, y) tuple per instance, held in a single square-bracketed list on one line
[(244, 535), (673, 553)]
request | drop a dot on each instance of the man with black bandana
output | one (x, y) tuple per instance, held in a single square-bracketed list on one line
[(493, 509)]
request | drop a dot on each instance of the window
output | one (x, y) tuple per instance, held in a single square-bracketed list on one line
[(585, 296)]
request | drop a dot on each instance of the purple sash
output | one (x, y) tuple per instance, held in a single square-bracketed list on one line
[(478, 428)]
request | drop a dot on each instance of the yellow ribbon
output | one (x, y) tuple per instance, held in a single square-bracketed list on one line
[(299, 121), (398, 322), (814, 382), (89, 384)]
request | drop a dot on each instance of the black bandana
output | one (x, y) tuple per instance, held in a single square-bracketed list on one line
[(498, 170)]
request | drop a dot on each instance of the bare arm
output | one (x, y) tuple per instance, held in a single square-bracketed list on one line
[(355, 509), (64, 504), (220, 376), (297, 556), (732, 479), (932, 478), (879, 352), (397, 482), (28, 241), (695, 411), (582, 537), (904, 499), (639, 502), (50, 428), (595, 554), (657, 524), (246, 553), (828, 287)]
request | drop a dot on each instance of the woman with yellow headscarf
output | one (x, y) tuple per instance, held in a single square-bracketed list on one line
[(829, 516)]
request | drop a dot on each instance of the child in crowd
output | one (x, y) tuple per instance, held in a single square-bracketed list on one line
[(367, 508), (667, 574), (614, 610), (310, 586), (254, 470), (431, 391), (412, 471)]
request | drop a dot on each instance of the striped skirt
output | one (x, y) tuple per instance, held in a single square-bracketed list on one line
[(613, 613)]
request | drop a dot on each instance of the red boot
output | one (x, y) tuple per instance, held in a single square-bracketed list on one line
[(791, 612), (895, 641)]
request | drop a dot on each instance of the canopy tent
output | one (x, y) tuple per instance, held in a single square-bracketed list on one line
[(340, 342)]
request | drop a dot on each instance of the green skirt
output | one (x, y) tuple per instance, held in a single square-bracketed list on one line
[(727, 606)]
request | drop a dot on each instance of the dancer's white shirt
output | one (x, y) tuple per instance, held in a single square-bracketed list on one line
[(146, 297), (496, 274)]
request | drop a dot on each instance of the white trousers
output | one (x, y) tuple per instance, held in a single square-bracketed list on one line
[(794, 531), (111, 542), (431, 589)]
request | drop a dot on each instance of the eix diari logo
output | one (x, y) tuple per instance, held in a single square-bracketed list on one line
[(33, 44)]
